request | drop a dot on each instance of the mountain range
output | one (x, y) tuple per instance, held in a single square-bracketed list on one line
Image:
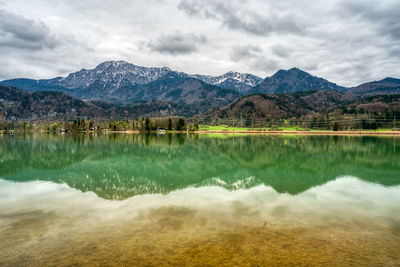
[(119, 85), (124, 83)]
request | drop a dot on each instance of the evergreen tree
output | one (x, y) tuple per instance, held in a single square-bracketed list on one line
[(169, 124), (147, 122), (180, 125)]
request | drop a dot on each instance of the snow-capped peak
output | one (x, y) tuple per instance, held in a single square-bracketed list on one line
[(113, 73), (240, 81)]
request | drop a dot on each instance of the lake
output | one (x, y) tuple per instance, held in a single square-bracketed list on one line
[(197, 200)]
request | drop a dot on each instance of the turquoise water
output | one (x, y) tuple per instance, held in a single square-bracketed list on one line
[(121, 166)]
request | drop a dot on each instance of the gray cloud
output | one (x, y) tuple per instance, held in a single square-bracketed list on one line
[(281, 50), (265, 64), (254, 57), (177, 43), (19, 32), (382, 14), (245, 52), (236, 16)]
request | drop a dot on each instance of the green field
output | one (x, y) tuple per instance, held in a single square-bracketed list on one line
[(284, 129), (244, 129)]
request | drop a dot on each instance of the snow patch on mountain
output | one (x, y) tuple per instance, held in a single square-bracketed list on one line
[(112, 72), (241, 82)]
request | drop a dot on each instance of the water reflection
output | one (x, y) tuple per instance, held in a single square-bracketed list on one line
[(345, 198), (121, 166), (43, 223), (196, 201)]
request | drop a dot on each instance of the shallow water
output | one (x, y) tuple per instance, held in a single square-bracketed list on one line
[(194, 200)]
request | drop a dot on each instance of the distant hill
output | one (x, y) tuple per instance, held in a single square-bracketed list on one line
[(294, 80), (282, 105), (17, 104), (295, 105), (378, 104), (383, 87)]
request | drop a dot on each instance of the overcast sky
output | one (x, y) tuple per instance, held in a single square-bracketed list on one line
[(347, 42)]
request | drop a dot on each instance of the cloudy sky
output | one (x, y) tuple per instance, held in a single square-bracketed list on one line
[(347, 42)]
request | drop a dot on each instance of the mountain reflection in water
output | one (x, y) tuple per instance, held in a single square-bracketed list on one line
[(121, 166)]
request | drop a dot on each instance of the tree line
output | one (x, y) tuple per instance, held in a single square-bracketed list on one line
[(81, 125), (335, 121)]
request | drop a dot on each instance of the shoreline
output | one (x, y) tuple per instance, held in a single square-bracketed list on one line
[(369, 133), (344, 133), (227, 132)]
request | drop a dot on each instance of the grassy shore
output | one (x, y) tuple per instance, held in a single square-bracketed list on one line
[(227, 130), (224, 129), (370, 133)]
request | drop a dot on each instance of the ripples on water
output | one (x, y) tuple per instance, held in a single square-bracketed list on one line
[(190, 200)]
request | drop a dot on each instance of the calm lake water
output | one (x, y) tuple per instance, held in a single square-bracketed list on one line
[(199, 200)]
